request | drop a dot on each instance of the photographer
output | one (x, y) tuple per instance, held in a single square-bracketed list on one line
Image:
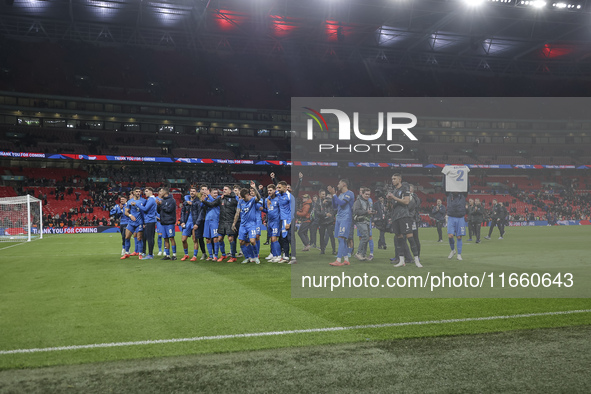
[(326, 218), (362, 213), (303, 214), (379, 218), (315, 221)]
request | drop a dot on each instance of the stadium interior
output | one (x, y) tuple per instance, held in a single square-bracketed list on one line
[(97, 97), (220, 89)]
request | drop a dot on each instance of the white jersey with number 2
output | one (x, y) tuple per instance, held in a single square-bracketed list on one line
[(456, 178)]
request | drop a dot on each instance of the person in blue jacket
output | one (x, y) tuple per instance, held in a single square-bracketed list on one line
[(118, 213), (149, 210)]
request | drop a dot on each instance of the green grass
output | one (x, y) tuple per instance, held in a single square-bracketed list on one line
[(74, 290), (542, 360)]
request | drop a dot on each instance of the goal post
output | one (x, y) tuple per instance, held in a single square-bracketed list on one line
[(21, 219)]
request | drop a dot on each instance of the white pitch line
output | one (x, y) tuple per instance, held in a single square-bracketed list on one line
[(21, 243), (274, 333)]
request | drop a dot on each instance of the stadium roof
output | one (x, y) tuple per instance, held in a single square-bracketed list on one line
[(490, 36)]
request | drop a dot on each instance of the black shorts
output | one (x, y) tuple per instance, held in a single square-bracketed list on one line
[(226, 229), (403, 226)]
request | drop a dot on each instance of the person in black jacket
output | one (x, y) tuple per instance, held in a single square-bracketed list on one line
[(498, 217), (477, 216), (187, 224), (295, 193), (469, 210), (326, 217), (167, 211), (303, 214), (315, 221), (413, 207), (380, 221), (438, 214), (198, 213), (228, 205), (362, 213)]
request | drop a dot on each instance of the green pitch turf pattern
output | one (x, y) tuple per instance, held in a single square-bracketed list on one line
[(7, 244), (70, 290), (551, 360)]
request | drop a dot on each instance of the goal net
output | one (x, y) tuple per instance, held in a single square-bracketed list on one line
[(20, 219)]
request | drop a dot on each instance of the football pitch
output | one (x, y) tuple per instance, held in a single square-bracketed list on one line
[(69, 299)]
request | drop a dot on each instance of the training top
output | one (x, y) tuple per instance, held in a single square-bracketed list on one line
[(344, 205), (284, 201), (456, 178), (272, 211), (413, 208), (439, 213), (259, 214), (119, 213), (190, 212), (400, 210), (456, 205), (167, 210), (226, 205), (477, 212), (135, 211), (148, 208), (213, 214), (248, 211), (499, 212)]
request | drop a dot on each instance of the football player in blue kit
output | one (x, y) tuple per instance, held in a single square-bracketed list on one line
[(343, 228), (212, 220), (271, 208), (118, 212), (247, 212), (136, 222)]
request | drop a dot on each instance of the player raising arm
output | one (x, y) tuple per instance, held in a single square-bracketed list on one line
[(343, 203), (247, 210)]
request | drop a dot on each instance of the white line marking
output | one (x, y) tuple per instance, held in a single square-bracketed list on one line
[(20, 243), (274, 333)]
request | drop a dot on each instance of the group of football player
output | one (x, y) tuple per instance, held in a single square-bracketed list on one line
[(207, 218)]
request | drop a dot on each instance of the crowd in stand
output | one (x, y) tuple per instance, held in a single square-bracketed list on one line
[(560, 203), (565, 206), (133, 175), (66, 220)]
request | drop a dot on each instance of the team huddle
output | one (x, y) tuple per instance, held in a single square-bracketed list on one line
[(207, 218)]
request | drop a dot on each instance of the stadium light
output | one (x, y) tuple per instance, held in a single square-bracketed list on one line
[(30, 6), (473, 3), (567, 6), (389, 35), (533, 3), (104, 9)]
